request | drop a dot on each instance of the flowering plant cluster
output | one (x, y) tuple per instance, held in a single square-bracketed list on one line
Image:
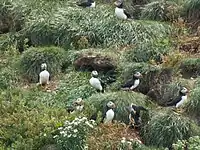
[(130, 144), (72, 136)]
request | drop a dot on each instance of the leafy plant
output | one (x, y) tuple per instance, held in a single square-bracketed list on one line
[(133, 144), (31, 60), (73, 134), (166, 128), (192, 143), (26, 127)]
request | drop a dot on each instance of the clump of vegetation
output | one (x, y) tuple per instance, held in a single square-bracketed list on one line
[(31, 60), (190, 67), (8, 78), (193, 105), (73, 86), (96, 103), (73, 134), (12, 18), (192, 12), (160, 11), (166, 128), (149, 51), (192, 143)]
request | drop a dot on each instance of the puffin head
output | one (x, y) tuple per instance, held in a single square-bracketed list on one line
[(184, 90), (78, 101), (137, 74), (118, 3), (110, 104), (94, 73), (43, 66)]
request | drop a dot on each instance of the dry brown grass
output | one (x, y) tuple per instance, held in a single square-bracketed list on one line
[(109, 136)]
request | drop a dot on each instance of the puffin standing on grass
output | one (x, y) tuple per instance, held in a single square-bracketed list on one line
[(132, 83), (120, 12), (96, 83), (180, 99), (89, 3), (109, 113), (134, 114), (44, 76)]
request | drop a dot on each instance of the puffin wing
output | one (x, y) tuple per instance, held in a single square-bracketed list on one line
[(174, 102), (128, 84), (127, 14), (142, 108)]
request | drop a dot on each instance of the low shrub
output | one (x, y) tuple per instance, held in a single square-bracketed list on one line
[(193, 104), (31, 60), (26, 127), (166, 128), (8, 78), (190, 67), (192, 143), (161, 11), (134, 144), (73, 134)]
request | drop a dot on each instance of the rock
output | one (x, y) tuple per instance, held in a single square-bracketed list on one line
[(90, 62)]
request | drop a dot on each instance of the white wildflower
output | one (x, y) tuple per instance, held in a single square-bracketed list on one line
[(45, 134), (131, 140), (91, 126), (123, 138), (84, 118), (69, 135), (55, 136), (60, 128), (123, 141), (129, 143), (62, 132), (75, 130), (69, 127)]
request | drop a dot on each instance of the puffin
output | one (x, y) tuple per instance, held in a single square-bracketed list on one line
[(96, 83), (77, 105), (132, 83), (88, 4), (134, 114), (120, 12), (180, 99), (44, 75), (109, 113)]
